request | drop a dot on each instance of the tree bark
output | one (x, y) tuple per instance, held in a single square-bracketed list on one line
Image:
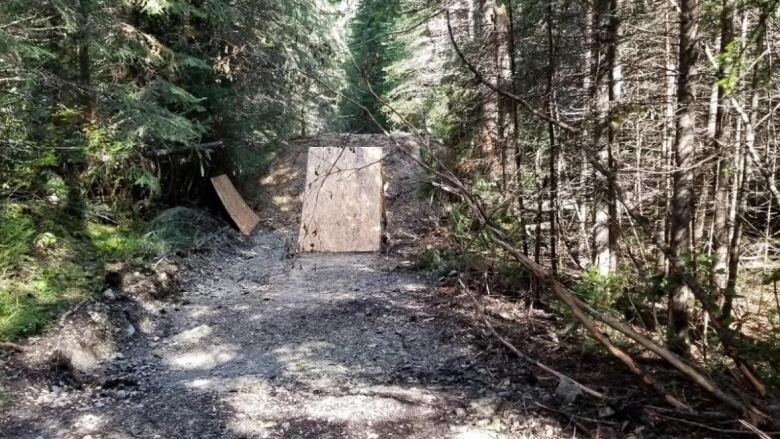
[(683, 187), (725, 166), (516, 146), (740, 202), (86, 95), (607, 89), (670, 79), (553, 144)]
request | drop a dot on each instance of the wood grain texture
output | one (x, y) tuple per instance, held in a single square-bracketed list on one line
[(239, 211), (343, 204)]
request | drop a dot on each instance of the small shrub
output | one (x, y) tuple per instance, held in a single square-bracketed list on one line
[(601, 291), (179, 228)]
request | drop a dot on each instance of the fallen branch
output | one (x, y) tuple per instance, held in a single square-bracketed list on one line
[(8, 346), (522, 355), (578, 308), (196, 148), (728, 431)]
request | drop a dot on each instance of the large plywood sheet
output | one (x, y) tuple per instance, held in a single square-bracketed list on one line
[(343, 203), (239, 211)]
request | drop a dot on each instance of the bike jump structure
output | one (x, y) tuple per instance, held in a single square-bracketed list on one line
[(343, 200)]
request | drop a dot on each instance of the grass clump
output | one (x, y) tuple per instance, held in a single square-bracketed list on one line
[(50, 259)]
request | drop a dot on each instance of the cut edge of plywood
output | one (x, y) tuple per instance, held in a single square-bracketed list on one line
[(244, 218)]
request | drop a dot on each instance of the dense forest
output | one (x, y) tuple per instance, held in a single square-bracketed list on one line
[(626, 147), (614, 160), (113, 113)]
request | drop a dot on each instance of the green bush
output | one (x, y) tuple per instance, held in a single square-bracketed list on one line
[(601, 291)]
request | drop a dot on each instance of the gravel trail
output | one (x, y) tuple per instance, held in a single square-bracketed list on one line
[(258, 343), (263, 345)]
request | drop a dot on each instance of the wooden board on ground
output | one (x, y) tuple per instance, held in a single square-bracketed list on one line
[(239, 211), (343, 205)]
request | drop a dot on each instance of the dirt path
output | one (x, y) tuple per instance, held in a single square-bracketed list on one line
[(265, 346), (262, 344)]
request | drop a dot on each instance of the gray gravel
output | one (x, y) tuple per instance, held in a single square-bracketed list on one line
[(264, 345)]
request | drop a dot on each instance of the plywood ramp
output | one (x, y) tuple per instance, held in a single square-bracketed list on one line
[(343, 203), (239, 211)]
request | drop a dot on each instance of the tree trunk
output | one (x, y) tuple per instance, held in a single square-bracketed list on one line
[(615, 95), (600, 95), (586, 175), (488, 141), (607, 88), (740, 203), (725, 167), (668, 133), (503, 76), (516, 146), (553, 144), (683, 187), (86, 95)]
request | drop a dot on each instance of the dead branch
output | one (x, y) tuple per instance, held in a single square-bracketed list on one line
[(519, 353), (186, 149), (12, 347), (729, 431)]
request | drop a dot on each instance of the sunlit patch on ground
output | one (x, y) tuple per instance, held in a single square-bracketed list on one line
[(205, 358)]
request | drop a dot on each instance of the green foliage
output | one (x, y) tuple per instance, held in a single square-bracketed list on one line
[(89, 87), (158, 74), (601, 291), (442, 262), (369, 55), (50, 260), (177, 228), (16, 235), (46, 264)]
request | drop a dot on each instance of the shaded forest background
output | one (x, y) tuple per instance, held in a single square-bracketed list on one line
[(627, 148)]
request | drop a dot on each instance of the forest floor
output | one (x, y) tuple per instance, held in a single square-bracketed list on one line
[(254, 341)]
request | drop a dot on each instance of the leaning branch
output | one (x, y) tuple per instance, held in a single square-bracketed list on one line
[(523, 356), (8, 346)]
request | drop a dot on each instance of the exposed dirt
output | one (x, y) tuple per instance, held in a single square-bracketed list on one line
[(411, 219), (258, 342)]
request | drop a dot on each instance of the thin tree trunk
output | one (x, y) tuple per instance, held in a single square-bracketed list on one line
[(601, 94), (668, 134), (734, 250), (615, 95), (553, 145), (721, 226), (503, 75), (683, 196), (587, 174), (516, 148), (86, 95), (540, 187)]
